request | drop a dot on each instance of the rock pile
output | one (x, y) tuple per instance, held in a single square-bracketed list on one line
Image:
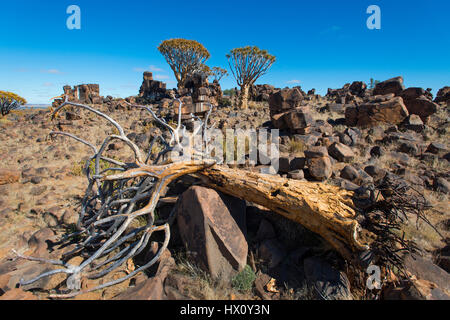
[(197, 94), (152, 89), (289, 111), (261, 92), (83, 93)]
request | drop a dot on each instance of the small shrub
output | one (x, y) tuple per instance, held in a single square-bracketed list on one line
[(296, 146), (243, 281)]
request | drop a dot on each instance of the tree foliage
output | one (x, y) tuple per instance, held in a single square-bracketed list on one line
[(249, 63), (10, 101), (184, 57), (218, 73)]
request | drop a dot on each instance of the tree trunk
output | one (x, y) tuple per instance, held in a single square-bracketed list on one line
[(243, 97), (324, 209)]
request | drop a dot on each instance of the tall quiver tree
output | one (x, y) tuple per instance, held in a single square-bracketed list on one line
[(248, 64), (184, 57)]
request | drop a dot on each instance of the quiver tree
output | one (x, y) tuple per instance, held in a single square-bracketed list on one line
[(184, 57), (248, 64), (218, 73), (10, 101)]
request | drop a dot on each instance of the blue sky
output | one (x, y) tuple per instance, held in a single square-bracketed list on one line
[(318, 44)]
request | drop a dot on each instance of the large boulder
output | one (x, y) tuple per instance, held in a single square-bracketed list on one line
[(443, 95), (394, 85), (319, 163), (285, 100), (418, 101), (341, 152), (357, 88), (212, 226), (328, 282), (368, 114)]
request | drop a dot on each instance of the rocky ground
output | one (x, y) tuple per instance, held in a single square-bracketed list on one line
[(353, 137)]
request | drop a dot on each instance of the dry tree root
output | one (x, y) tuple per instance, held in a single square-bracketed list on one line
[(114, 198)]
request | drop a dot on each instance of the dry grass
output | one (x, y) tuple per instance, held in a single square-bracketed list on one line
[(296, 147), (258, 105), (202, 286)]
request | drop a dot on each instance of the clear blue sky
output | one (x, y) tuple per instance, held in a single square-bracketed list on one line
[(318, 44)]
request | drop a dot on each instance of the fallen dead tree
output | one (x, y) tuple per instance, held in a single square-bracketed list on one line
[(119, 194)]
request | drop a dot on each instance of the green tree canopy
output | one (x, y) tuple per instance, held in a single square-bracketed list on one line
[(184, 57)]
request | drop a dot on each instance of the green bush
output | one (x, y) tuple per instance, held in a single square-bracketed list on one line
[(243, 281)]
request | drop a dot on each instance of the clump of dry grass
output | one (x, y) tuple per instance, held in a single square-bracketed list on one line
[(296, 146), (258, 105), (202, 286)]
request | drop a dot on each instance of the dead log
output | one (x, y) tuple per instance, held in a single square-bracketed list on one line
[(324, 209)]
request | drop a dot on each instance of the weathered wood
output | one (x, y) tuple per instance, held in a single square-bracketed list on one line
[(324, 209)]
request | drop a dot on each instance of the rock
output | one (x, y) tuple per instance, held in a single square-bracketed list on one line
[(443, 95), (442, 185), (320, 168), (316, 152), (70, 217), (272, 251), (9, 176), (36, 180), (357, 88), (297, 163), (38, 190), (375, 172), (298, 119), (350, 173), (318, 162), (437, 148), (261, 282), (414, 93), (50, 219), (284, 164), (394, 85), (152, 288), (265, 231), (284, 100), (425, 269), (354, 134), (409, 148), (152, 89), (377, 151), (421, 106), (341, 152), (212, 226), (329, 283), (38, 241), (18, 294), (308, 140), (345, 184), (413, 290), (296, 174), (392, 111), (413, 122), (70, 116)]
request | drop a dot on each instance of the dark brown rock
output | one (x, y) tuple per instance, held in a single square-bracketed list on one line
[(210, 226), (394, 85), (341, 152)]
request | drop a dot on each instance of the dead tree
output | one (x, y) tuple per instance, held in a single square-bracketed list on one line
[(118, 195)]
